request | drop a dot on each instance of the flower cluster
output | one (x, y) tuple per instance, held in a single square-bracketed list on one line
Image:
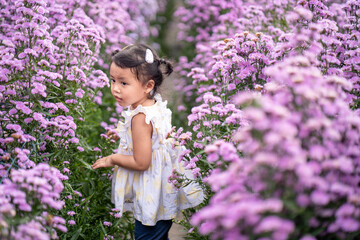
[(286, 163), (175, 179), (47, 60), (329, 36), (214, 116), (50, 84), (350, 57), (206, 26), (300, 154), (122, 22), (47, 81), (28, 192), (326, 29), (238, 64)]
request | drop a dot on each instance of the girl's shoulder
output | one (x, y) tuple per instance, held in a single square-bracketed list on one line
[(156, 113)]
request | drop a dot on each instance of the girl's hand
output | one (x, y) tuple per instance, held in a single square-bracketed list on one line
[(103, 162), (112, 135)]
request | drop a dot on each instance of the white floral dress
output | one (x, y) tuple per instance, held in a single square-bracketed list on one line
[(148, 194)]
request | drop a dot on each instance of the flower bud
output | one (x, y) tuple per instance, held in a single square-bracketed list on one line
[(16, 135)]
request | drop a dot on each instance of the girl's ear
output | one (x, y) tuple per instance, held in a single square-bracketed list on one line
[(149, 86)]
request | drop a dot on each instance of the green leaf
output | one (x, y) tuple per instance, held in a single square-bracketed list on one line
[(102, 228), (76, 234), (88, 166)]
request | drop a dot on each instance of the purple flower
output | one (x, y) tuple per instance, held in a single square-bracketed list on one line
[(12, 111), (71, 222), (14, 127), (78, 193), (274, 223), (71, 213), (319, 197), (108, 224), (308, 237), (349, 224), (79, 94), (81, 149), (181, 108), (21, 106)]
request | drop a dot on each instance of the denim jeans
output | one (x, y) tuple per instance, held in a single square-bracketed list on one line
[(158, 232)]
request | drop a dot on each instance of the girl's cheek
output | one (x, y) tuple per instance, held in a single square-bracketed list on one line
[(112, 88)]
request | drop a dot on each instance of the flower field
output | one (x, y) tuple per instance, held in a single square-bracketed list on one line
[(267, 106)]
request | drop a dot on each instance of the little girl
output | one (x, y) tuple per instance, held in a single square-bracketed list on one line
[(146, 158)]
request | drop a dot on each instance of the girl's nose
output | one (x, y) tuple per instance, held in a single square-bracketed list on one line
[(117, 88)]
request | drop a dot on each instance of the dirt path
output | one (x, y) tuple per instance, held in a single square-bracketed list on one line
[(177, 232)]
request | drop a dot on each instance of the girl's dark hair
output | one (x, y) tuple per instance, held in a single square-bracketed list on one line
[(133, 57)]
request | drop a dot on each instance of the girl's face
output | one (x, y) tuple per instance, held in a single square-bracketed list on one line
[(126, 88)]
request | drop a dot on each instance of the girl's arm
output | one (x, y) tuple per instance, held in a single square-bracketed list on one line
[(142, 148)]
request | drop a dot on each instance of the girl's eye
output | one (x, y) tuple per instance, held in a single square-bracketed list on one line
[(112, 80), (123, 83)]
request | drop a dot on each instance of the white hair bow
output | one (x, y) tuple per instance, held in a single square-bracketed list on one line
[(149, 56)]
